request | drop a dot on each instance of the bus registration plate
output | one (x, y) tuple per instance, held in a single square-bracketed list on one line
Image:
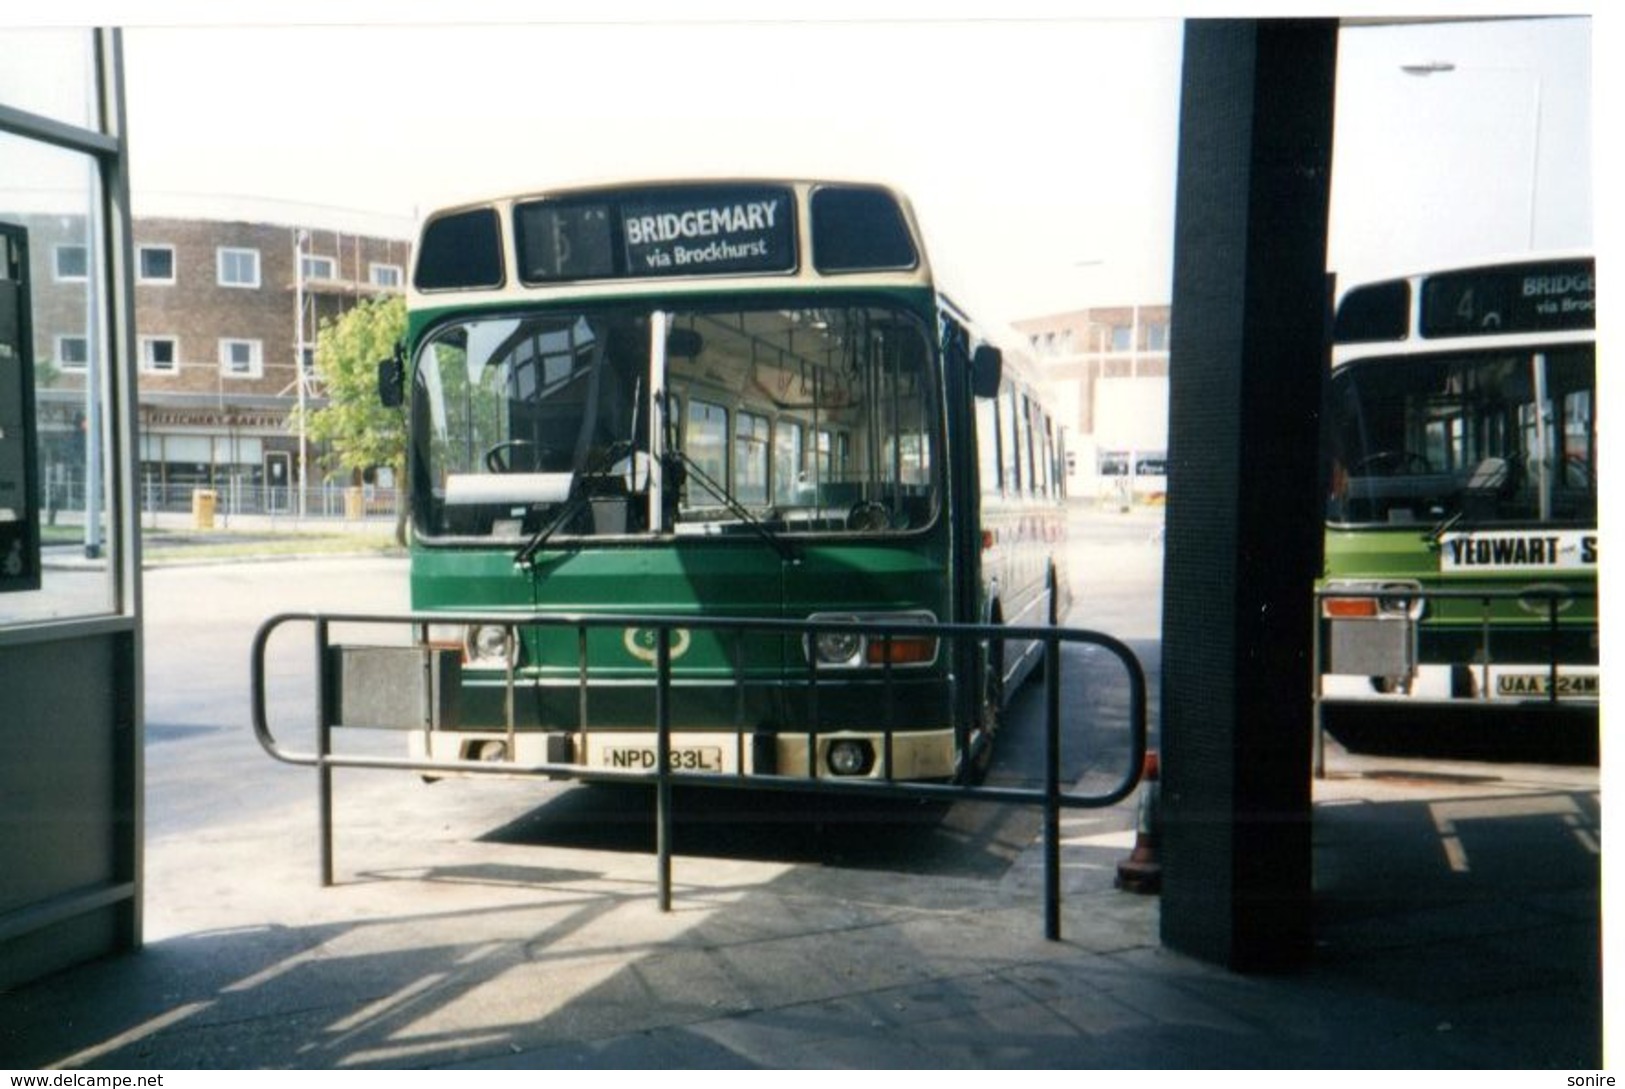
[(642, 758), (1577, 686)]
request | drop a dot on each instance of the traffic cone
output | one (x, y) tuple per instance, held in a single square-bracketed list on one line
[(1141, 871)]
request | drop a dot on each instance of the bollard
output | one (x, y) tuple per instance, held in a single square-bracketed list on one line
[(1141, 871)]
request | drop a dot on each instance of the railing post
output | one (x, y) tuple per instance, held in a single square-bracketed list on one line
[(324, 749), (663, 764), (1052, 790), (511, 635), (581, 680), (1551, 647), (812, 705), (889, 722)]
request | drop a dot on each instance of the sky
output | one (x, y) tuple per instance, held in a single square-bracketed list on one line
[(1039, 146)]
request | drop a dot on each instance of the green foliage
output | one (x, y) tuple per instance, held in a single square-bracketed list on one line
[(359, 431), (46, 372)]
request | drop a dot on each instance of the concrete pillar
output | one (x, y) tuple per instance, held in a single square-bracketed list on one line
[(1244, 521)]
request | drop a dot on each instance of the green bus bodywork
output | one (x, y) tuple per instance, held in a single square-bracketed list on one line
[(720, 447)]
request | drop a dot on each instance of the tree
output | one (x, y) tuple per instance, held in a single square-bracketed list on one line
[(361, 433)]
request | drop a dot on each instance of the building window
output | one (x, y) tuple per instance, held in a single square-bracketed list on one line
[(240, 358), (156, 265), (238, 268), (318, 268), (385, 275), (72, 262), (1156, 336), (1122, 338), (72, 353), (160, 354)]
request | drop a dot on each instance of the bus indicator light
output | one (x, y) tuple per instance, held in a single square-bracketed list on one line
[(902, 651)]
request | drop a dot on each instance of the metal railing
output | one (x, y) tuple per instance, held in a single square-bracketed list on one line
[(1050, 796), (234, 496), (1551, 600)]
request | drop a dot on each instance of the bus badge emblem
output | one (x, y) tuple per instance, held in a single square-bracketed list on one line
[(643, 643)]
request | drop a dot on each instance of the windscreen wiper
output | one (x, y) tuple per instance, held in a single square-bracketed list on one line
[(718, 492), (580, 496), (1435, 536)]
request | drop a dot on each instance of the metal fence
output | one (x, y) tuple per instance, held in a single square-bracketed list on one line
[(232, 497), (663, 777), (66, 497)]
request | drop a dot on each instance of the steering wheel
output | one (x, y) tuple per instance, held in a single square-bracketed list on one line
[(867, 516), (498, 459), (1392, 463)]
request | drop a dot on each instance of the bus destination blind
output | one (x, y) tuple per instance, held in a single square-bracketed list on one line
[(704, 231), (1546, 297)]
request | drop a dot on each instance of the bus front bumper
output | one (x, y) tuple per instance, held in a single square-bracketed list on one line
[(929, 754)]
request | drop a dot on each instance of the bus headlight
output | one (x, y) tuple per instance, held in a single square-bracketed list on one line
[(490, 646), (850, 756), (844, 649), (838, 648)]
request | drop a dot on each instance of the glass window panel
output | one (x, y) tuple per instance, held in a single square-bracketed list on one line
[(49, 193), (239, 268), (787, 463), (750, 459), (988, 444), (45, 72), (707, 443), (156, 264)]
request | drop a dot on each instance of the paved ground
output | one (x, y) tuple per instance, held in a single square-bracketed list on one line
[(1458, 926)]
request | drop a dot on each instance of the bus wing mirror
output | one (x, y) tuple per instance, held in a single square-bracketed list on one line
[(392, 381), (986, 369)]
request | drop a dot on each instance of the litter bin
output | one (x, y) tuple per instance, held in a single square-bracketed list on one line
[(203, 501), (354, 509)]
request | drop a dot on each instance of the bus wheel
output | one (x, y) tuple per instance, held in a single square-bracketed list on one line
[(990, 716)]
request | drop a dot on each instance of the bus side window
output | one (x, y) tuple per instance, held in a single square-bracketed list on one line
[(1012, 470), (1040, 458), (788, 462), (987, 447)]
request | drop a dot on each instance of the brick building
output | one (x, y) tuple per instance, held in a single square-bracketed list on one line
[(1107, 368), (223, 310)]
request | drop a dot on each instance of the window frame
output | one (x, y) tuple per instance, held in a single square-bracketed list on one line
[(145, 344), (307, 260), (142, 249), (255, 363), (62, 248), (220, 255), (61, 356)]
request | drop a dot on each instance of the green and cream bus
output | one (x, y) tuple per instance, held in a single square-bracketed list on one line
[(721, 398), (1461, 538)]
